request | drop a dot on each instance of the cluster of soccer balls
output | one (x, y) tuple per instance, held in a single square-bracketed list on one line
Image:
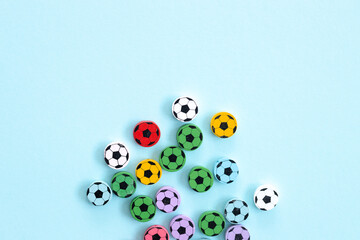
[(189, 137)]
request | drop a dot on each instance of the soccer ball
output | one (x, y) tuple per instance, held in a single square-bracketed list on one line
[(172, 159), (226, 170), (184, 109), (99, 193), (116, 155), (142, 208), (189, 137), (266, 197), (148, 172), (156, 232), (223, 125), (123, 184), (200, 179), (146, 133), (167, 199), (211, 223), (237, 232), (182, 227), (236, 211)]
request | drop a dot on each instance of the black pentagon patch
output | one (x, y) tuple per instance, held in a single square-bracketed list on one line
[(224, 126), (267, 199), (116, 155), (236, 211), (172, 158), (166, 201), (98, 194), (143, 207), (156, 237), (182, 230), (189, 138), (146, 133), (123, 185), (228, 171), (185, 108), (148, 173), (199, 180), (212, 224)]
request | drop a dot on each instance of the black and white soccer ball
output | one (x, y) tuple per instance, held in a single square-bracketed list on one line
[(99, 193), (236, 211), (266, 197), (185, 109), (116, 155)]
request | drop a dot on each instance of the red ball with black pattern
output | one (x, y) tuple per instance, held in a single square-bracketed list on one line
[(146, 133)]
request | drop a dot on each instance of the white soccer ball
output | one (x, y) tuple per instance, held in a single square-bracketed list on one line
[(116, 155), (266, 197), (184, 109)]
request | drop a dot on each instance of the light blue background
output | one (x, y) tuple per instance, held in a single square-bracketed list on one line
[(76, 75)]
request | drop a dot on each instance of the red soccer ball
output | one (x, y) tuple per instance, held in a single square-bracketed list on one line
[(146, 133), (156, 232)]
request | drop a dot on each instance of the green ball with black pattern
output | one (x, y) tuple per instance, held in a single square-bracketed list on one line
[(189, 137), (142, 208), (200, 179), (172, 159), (123, 184), (211, 223)]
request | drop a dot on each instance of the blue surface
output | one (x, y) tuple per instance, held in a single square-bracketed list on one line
[(76, 75)]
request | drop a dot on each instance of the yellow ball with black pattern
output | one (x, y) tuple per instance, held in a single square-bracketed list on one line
[(148, 171), (223, 125)]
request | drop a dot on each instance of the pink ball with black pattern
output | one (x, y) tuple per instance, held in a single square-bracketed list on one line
[(156, 232)]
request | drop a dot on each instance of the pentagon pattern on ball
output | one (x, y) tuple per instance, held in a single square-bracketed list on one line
[(184, 109), (99, 193), (156, 232), (172, 159), (237, 232), (211, 223), (236, 211), (189, 137), (146, 133), (200, 179), (123, 184), (226, 170), (148, 172), (266, 197), (182, 227), (167, 199), (142, 208), (223, 125), (116, 155)]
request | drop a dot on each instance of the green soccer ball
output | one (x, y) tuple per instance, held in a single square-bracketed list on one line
[(200, 179), (172, 159), (211, 223), (142, 208), (123, 184), (189, 137)]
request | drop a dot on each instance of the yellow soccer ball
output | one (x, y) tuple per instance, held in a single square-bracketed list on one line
[(223, 124), (148, 172)]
